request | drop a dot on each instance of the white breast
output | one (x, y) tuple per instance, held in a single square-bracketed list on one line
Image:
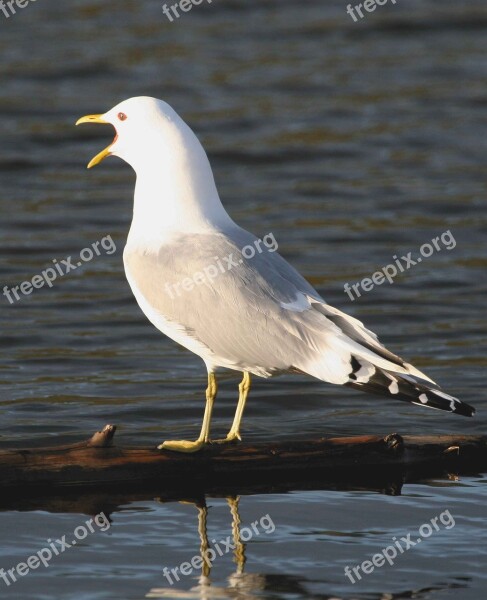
[(173, 330)]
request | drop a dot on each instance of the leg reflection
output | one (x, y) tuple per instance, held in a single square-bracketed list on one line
[(241, 586), (239, 552)]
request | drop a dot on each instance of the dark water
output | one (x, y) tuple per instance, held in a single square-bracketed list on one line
[(351, 142)]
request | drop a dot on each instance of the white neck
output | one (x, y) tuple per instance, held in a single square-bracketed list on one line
[(175, 193)]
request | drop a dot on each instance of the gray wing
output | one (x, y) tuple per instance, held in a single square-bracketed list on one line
[(254, 313)]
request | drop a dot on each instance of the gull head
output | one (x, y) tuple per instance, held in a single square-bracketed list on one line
[(147, 131), (175, 187)]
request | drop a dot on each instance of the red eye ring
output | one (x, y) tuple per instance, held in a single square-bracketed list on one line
[(121, 116)]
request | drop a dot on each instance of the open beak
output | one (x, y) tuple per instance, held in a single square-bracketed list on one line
[(104, 153)]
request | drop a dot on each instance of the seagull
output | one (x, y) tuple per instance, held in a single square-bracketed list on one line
[(191, 271)]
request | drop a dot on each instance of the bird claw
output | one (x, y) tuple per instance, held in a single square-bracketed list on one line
[(232, 438), (182, 446)]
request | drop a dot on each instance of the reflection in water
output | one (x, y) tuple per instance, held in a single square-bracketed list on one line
[(250, 586), (240, 584)]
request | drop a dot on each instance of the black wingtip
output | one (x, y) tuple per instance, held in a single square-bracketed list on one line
[(408, 390), (465, 410)]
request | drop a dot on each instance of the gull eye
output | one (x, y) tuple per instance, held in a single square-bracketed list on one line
[(121, 116)]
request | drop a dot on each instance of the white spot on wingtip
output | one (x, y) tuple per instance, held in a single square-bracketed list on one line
[(423, 399), (364, 374), (393, 388)]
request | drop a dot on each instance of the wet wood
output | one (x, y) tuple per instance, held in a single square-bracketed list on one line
[(100, 464)]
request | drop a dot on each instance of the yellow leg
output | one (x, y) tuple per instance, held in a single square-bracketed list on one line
[(243, 388), (204, 438)]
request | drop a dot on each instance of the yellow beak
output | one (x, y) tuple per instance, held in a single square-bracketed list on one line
[(104, 153)]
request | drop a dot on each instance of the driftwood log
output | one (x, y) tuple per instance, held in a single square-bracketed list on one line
[(372, 461)]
